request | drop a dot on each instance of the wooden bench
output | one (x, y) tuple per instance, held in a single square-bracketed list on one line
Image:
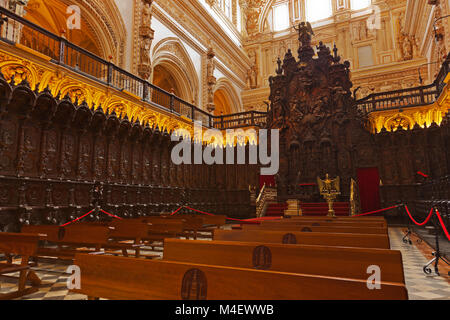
[(339, 262), (129, 235), (77, 237), (380, 241), (26, 246), (356, 218), (318, 223), (311, 228), (138, 279), (208, 223), (160, 228), (192, 224)]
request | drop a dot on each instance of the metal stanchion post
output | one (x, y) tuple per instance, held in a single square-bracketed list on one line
[(437, 254)]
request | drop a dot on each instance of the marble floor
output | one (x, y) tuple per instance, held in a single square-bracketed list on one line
[(415, 256)]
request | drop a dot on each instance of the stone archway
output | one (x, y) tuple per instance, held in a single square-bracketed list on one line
[(102, 30), (170, 57), (226, 99)]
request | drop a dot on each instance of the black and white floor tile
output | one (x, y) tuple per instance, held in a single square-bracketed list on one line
[(420, 286)]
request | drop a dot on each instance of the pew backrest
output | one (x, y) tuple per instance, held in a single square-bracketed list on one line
[(137, 279), (380, 241), (318, 260), (311, 228), (19, 243), (83, 234), (370, 224), (52, 233)]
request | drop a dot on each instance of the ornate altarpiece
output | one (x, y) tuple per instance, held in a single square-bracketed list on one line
[(321, 130)]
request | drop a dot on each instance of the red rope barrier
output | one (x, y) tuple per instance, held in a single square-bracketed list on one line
[(442, 224), (78, 218), (109, 214), (417, 223), (176, 211), (377, 211), (210, 214)]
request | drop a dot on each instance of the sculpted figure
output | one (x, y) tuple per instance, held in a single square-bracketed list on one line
[(145, 51)]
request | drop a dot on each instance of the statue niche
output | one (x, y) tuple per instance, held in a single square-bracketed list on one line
[(312, 106)]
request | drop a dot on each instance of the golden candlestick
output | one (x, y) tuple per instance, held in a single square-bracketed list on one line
[(329, 190)]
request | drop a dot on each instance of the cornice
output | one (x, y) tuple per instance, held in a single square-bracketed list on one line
[(387, 69)]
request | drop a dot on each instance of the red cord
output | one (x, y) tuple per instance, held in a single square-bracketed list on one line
[(176, 211), (377, 211), (210, 214), (109, 214), (78, 218), (417, 223), (442, 224)]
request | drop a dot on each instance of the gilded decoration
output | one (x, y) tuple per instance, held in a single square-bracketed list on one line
[(65, 83), (61, 82), (407, 118)]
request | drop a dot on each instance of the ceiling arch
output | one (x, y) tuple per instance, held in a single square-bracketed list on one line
[(102, 31), (171, 54)]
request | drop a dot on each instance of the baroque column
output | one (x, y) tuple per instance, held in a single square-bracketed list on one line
[(210, 79)]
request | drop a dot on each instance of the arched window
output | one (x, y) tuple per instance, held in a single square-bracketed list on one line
[(318, 10), (360, 4), (281, 17)]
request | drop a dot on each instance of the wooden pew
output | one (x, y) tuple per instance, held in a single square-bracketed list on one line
[(128, 278), (373, 224), (193, 223), (208, 223), (311, 228), (356, 218), (339, 262), (380, 241), (163, 228), (26, 246), (160, 228), (127, 235), (70, 239)]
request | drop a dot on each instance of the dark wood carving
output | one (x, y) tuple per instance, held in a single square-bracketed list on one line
[(194, 285), (53, 152), (262, 258), (322, 131)]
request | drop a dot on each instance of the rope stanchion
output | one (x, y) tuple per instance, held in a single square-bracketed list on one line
[(417, 223), (442, 224), (378, 211)]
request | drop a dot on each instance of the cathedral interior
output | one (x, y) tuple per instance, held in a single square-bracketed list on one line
[(349, 97)]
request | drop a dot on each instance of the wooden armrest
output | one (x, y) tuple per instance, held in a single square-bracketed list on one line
[(10, 268), (97, 253)]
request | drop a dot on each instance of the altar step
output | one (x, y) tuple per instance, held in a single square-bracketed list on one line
[(309, 209), (321, 209), (276, 209)]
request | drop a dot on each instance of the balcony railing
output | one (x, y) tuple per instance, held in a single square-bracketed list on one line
[(241, 120), (17, 30), (406, 98)]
